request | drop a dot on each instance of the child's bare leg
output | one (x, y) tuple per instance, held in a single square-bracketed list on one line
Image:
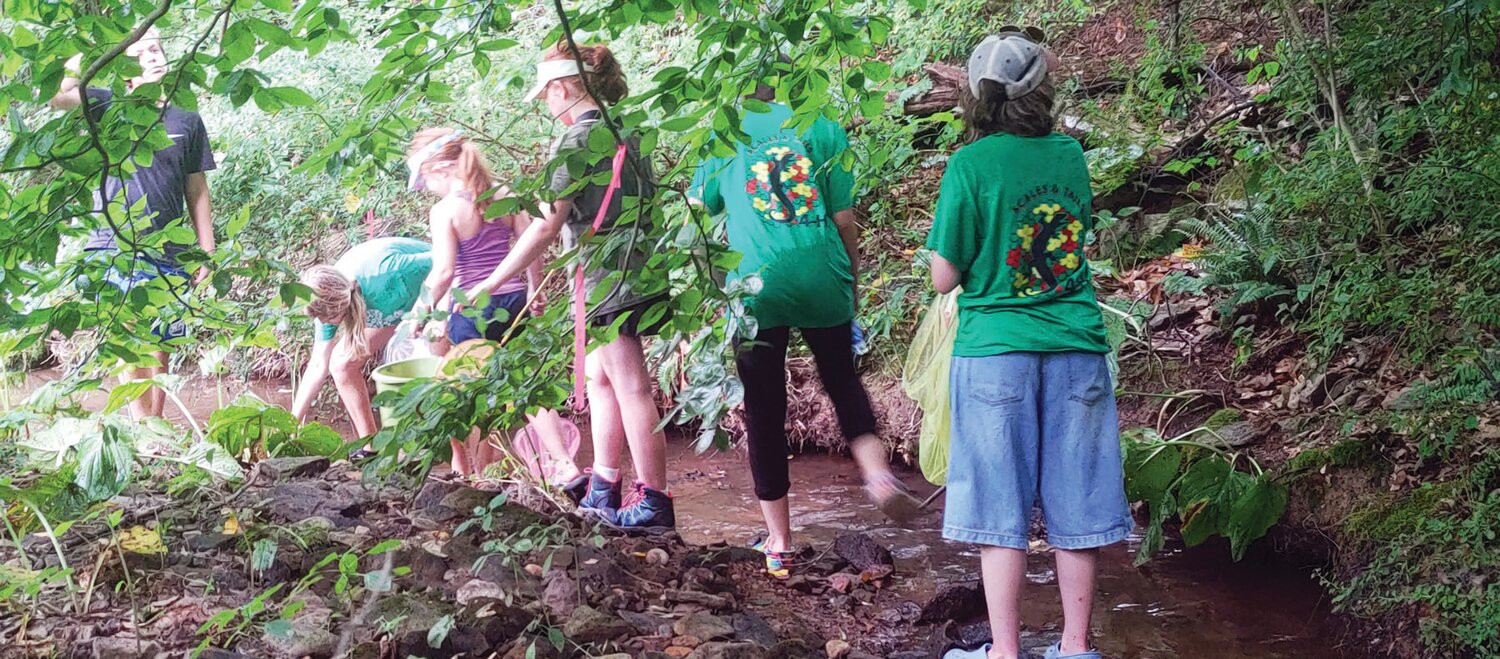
[(1003, 570), (1075, 579)]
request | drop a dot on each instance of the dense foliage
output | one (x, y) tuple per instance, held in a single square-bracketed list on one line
[(1339, 172)]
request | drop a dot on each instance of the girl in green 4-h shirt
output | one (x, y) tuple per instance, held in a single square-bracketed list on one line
[(788, 208), (1032, 401)]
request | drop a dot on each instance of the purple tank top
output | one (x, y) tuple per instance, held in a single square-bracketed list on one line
[(479, 254)]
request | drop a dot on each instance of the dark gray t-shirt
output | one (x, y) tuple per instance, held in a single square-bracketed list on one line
[(163, 183), (614, 236)]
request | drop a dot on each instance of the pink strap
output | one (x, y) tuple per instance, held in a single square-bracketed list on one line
[(580, 328)]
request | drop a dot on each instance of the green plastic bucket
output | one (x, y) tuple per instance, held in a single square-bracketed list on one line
[(391, 376)]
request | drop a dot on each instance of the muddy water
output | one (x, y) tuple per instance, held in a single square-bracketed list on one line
[(1185, 604)]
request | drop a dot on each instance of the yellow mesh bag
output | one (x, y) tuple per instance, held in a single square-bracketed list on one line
[(925, 379)]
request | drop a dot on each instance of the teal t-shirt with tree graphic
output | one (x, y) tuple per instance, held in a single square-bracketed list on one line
[(779, 193), (1012, 214)]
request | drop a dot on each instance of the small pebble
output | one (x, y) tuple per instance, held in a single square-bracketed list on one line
[(657, 556)]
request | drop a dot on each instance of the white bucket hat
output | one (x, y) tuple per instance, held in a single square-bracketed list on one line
[(555, 69), (1012, 58)]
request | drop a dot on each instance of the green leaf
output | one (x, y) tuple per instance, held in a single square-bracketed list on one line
[(123, 393), (1155, 537), (281, 629), (1149, 471), (439, 631), (106, 463), (1205, 495), (1254, 513)]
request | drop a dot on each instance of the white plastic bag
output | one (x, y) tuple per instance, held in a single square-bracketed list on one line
[(404, 345)]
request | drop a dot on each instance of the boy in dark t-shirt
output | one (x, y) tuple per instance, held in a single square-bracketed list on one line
[(174, 181)]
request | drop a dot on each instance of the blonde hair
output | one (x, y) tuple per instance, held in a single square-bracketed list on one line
[(468, 160), (338, 298)]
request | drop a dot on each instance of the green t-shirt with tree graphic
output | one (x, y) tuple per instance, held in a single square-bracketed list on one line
[(779, 193), (1012, 214)]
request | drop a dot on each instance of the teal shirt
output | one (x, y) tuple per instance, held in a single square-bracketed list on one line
[(390, 272), (779, 193)]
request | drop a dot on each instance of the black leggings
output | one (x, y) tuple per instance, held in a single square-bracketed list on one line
[(762, 367)]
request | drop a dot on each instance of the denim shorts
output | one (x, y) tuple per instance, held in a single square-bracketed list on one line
[(463, 327), (164, 328), (1035, 428)]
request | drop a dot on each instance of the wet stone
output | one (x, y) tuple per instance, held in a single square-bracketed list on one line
[(837, 649), (959, 601), (561, 595), (465, 499), (862, 551), (794, 649), (646, 624), (278, 469), (704, 626), (588, 626), (753, 628), (728, 651), (432, 494)]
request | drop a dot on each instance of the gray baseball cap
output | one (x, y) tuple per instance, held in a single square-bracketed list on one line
[(1013, 58)]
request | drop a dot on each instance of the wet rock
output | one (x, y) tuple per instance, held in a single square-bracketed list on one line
[(728, 651), (862, 551), (589, 626), (308, 639), (458, 642), (953, 602), (211, 541), (909, 654), (123, 647), (1237, 435), (713, 602), (497, 623), (677, 652), (689, 642), (300, 500), (794, 649), (618, 655), (465, 499), (278, 469), (646, 624), (432, 494), (753, 628), (837, 649), (219, 653), (704, 626), (561, 595)]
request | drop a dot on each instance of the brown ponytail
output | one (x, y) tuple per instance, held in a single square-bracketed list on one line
[(607, 79), (337, 300), (467, 161)]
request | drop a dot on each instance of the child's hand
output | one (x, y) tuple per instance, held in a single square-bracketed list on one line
[(538, 303), (434, 330)]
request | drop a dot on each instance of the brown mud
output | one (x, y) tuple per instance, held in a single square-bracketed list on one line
[(1183, 604)]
